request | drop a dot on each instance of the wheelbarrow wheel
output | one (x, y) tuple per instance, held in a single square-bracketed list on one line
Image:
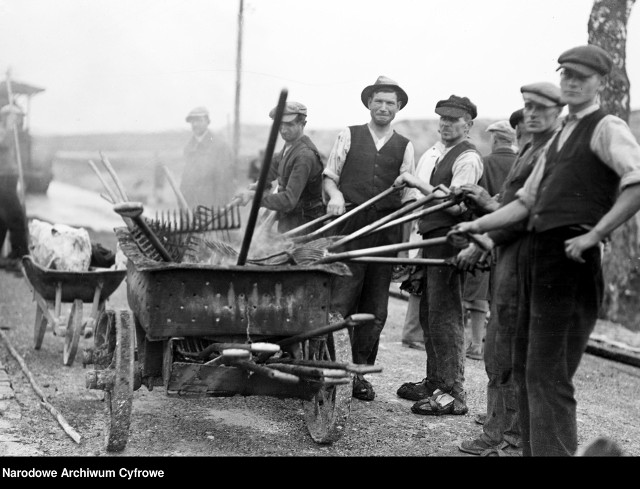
[(327, 413), (72, 333), (39, 328), (119, 398)]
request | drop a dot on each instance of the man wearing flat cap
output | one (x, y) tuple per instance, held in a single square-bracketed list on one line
[(208, 175), (441, 315), (475, 296), (501, 428), (298, 170), (364, 162), (585, 184)]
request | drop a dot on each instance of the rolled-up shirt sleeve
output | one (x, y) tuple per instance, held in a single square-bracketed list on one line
[(338, 155), (616, 146), (467, 169)]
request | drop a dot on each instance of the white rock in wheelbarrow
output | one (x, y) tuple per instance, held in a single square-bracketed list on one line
[(59, 246)]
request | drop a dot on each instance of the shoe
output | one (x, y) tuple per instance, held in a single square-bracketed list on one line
[(474, 352), (416, 345), (479, 446), (362, 389), (480, 418), (440, 403), (416, 391)]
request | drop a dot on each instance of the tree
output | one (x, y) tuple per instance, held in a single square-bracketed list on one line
[(607, 28)]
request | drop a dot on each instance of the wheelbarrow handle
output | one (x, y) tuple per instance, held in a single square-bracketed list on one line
[(352, 320)]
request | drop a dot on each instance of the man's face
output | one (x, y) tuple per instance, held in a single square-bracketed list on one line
[(291, 131), (538, 118), (578, 90), (383, 107), (199, 125), (453, 129)]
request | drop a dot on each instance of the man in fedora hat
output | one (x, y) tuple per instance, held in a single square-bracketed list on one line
[(298, 170), (585, 185), (441, 317), (208, 176), (475, 297), (501, 429), (365, 161)]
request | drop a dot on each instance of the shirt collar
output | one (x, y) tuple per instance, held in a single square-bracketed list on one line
[(584, 112)]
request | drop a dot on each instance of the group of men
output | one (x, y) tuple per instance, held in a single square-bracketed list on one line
[(544, 210)]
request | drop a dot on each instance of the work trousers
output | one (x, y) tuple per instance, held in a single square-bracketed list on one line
[(367, 290), (557, 312), (12, 217), (442, 320), (502, 423)]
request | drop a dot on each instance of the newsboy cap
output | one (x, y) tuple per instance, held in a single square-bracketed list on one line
[(197, 112), (516, 118), (502, 127), (291, 111), (456, 106), (586, 60), (543, 93), (384, 82)]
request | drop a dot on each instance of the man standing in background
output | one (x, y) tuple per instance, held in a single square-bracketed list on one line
[(12, 215), (208, 175)]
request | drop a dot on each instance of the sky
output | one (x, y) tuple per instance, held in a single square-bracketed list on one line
[(142, 65)]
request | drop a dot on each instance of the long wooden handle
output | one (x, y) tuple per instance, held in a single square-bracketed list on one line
[(309, 224), (381, 250), (112, 195), (182, 202), (353, 211), (415, 215), (114, 176), (262, 179)]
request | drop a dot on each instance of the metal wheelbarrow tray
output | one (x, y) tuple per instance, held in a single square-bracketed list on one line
[(52, 288), (189, 318)]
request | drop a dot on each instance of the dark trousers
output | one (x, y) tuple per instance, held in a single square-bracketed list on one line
[(367, 291), (502, 423), (442, 320), (12, 217), (558, 311)]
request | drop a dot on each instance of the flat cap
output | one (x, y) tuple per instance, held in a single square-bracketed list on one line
[(544, 93), (384, 82), (197, 112), (291, 111), (456, 106), (502, 127), (586, 60), (516, 118)]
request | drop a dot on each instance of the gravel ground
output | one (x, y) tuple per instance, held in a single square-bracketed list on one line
[(163, 426)]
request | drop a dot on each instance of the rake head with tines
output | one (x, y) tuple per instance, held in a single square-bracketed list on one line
[(217, 219)]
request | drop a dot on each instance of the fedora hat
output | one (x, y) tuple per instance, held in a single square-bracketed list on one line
[(384, 82)]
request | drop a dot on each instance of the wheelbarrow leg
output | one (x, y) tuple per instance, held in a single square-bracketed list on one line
[(96, 307), (72, 334), (40, 327), (57, 311), (327, 413)]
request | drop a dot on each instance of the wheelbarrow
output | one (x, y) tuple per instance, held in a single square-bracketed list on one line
[(52, 288)]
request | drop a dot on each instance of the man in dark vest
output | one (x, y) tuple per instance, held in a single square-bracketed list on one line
[(441, 317), (298, 169), (501, 428), (584, 186), (365, 161)]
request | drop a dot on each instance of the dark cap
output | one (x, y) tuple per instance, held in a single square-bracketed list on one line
[(456, 106), (197, 112), (384, 82), (586, 60), (543, 93), (291, 111), (516, 118)]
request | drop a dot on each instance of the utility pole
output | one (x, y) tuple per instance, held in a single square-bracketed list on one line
[(236, 123)]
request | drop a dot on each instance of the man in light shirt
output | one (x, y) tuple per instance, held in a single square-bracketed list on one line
[(441, 315), (365, 161), (583, 187)]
